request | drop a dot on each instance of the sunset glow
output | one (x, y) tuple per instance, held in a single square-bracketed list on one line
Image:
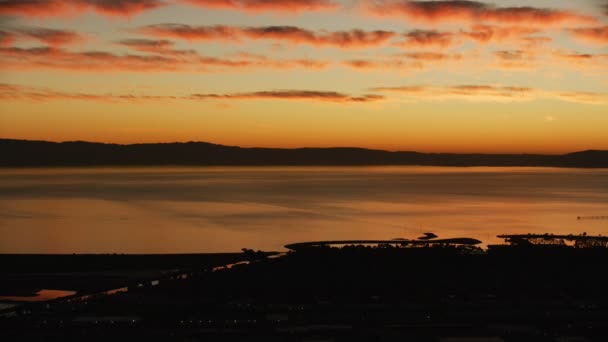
[(431, 76)]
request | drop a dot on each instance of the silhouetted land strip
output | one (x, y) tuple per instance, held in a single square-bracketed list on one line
[(520, 292), (24, 153), (422, 242), (25, 274)]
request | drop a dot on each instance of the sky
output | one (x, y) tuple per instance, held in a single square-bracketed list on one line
[(431, 76)]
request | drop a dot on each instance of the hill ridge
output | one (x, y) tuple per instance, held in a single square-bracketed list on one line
[(30, 153)]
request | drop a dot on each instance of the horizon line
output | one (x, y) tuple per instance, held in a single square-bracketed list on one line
[(294, 148)]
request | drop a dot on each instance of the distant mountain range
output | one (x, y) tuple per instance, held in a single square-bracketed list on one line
[(26, 153)]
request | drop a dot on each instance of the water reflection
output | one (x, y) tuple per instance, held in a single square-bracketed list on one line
[(174, 210), (41, 296)]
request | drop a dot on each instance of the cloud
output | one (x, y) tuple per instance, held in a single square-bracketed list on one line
[(343, 39), (584, 61), (6, 39), (479, 33), (492, 93), (35, 8), (50, 8), (575, 56), (267, 5), (597, 35), (472, 11), (430, 56), (514, 55), (515, 59), (17, 92), (426, 38), (403, 61), (15, 58), (187, 32), (582, 97), (294, 95), (122, 7), (48, 36), (486, 33), (534, 42), (367, 64), (148, 45), (462, 92)]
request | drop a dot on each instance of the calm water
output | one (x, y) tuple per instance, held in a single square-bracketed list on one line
[(174, 210)]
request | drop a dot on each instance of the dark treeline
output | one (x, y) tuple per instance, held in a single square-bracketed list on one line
[(20, 153)]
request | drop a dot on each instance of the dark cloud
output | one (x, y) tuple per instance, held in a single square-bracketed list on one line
[(267, 5), (181, 31), (294, 95), (486, 33), (51, 37), (49, 8), (473, 11), (342, 39), (6, 39), (424, 38), (148, 45)]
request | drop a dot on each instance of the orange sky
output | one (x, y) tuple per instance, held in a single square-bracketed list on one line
[(432, 76)]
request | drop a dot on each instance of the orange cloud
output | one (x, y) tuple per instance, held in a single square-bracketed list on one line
[(367, 64), (472, 11), (478, 33), (49, 8), (148, 45), (172, 61), (342, 39), (403, 61), (515, 59), (477, 92), (462, 92), (532, 42), (266, 5), (35, 8), (597, 35), (426, 38), (430, 56), (121, 7), (331, 96), (187, 32), (576, 56), (510, 55), (6, 39), (582, 97), (579, 61), (48, 36), (16, 92), (486, 33)]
